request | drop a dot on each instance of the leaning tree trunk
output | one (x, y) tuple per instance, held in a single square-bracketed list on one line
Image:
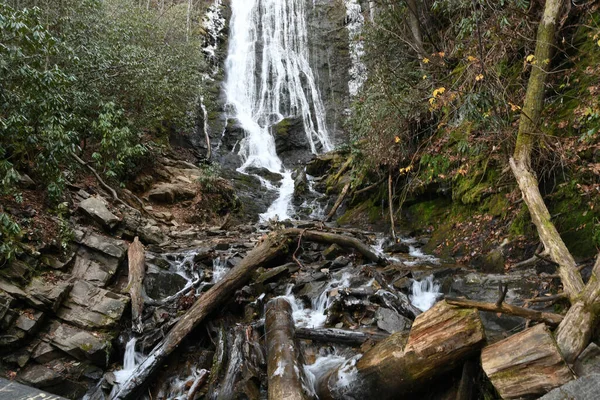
[(440, 340), (272, 247), (521, 161), (137, 270)]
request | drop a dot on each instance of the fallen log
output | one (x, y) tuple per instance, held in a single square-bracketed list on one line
[(338, 202), (275, 245), (332, 335), (440, 340), (341, 240), (137, 270), (534, 315), (284, 369), (198, 382), (393, 298), (525, 365)]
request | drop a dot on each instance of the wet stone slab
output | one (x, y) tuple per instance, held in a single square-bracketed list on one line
[(16, 391)]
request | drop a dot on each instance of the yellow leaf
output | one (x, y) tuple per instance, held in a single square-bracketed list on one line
[(397, 139), (439, 91), (471, 59), (441, 54), (424, 76), (432, 100), (479, 77), (598, 42), (425, 60), (514, 107), (530, 58)]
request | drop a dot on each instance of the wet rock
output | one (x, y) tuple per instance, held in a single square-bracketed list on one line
[(160, 284), (81, 344), (151, 234), (7, 302), (11, 338), (271, 176), (91, 307), (30, 321), (320, 164), (585, 388), (170, 193), (271, 274), (95, 208), (588, 362), (332, 252), (339, 262), (39, 376), (110, 246), (493, 262), (397, 248), (222, 246), (312, 290), (289, 134), (19, 358), (390, 321), (300, 185), (94, 267)]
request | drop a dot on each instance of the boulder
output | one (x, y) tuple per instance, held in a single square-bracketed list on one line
[(271, 273), (17, 271), (584, 388), (95, 208), (170, 193), (289, 133), (110, 246), (397, 248), (90, 307), (390, 321), (81, 344), (39, 376), (94, 267), (44, 352), (40, 293), (320, 164), (588, 361), (271, 176), (160, 284), (492, 262), (30, 321)]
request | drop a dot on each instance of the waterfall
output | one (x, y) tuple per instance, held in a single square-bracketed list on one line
[(269, 78)]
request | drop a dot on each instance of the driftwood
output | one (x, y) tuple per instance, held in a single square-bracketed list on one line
[(284, 368), (440, 340), (525, 365), (137, 270), (338, 202), (275, 245), (332, 335), (393, 298), (341, 240), (534, 315)]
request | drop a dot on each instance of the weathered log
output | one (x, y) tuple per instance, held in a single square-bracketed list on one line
[(272, 247), (341, 240), (574, 333), (338, 202), (440, 340), (198, 382), (332, 335), (534, 315), (137, 270), (525, 365), (284, 368)]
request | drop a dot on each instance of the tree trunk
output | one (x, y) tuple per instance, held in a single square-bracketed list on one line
[(415, 25), (525, 365), (534, 315), (332, 335), (273, 246), (137, 270), (440, 340), (526, 138), (284, 368), (391, 203)]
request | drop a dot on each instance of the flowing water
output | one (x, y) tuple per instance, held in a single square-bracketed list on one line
[(269, 78)]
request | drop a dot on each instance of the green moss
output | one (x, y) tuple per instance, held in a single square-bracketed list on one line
[(496, 205), (521, 225)]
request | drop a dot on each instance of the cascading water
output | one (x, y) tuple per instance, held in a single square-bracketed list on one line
[(269, 78)]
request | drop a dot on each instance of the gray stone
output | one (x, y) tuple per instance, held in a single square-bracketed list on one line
[(170, 192), (397, 248), (39, 376), (332, 252), (6, 303), (493, 262), (91, 307), (81, 344), (56, 262), (390, 321), (271, 273), (40, 293), (95, 208), (113, 247), (30, 321), (17, 391), (271, 176), (584, 388), (44, 352), (94, 267), (17, 271), (25, 181), (588, 361), (160, 284), (19, 358)]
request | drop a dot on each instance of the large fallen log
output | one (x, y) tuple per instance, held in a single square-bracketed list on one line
[(534, 315), (440, 340), (332, 335), (525, 365), (137, 270), (284, 369), (341, 240), (274, 246)]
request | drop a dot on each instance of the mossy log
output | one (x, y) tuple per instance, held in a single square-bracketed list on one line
[(284, 368), (534, 315), (440, 339), (525, 365), (274, 246), (137, 270)]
